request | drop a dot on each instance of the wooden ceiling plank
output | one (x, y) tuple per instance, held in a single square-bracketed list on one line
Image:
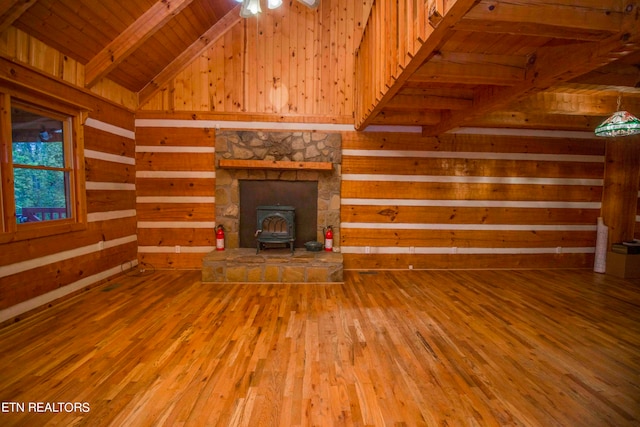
[(11, 10), (95, 21), (57, 25), (192, 52), (132, 38), (550, 66)]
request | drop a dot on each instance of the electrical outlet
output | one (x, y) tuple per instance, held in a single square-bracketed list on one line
[(410, 266)]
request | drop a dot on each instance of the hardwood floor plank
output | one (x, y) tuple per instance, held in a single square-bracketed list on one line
[(401, 348)]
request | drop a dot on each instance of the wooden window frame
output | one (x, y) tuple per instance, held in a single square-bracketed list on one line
[(10, 230)]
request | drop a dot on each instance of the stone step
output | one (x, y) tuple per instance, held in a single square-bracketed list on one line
[(272, 265)]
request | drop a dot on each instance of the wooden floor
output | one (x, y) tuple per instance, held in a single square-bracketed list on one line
[(433, 348)]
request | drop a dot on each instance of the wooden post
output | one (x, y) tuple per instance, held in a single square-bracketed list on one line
[(620, 192)]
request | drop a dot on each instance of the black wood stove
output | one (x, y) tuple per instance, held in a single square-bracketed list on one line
[(276, 225)]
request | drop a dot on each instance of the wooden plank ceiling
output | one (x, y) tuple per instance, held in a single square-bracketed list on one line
[(561, 64), (135, 43)]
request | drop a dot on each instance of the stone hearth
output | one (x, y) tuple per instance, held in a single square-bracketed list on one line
[(274, 265)]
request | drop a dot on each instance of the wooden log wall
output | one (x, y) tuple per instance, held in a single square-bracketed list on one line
[(620, 193), (469, 201), (37, 271), (175, 182), (448, 202), (292, 61), (636, 233)]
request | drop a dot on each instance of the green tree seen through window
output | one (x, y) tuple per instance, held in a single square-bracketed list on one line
[(40, 177)]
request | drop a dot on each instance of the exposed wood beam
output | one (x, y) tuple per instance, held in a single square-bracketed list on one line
[(549, 66), (239, 116), (619, 78), (551, 102), (421, 89), (131, 39), (558, 19), (623, 73), (406, 118), (567, 107), (11, 10), (426, 102), (602, 15), (456, 10), (575, 86), (527, 120), (531, 29), (456, 67), (192, 52)]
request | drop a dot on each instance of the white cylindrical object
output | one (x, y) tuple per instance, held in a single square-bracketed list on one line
[(328, 244), (602, 236)]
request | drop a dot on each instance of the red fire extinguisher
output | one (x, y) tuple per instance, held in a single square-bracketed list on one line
[(328, 239), (220, 238)]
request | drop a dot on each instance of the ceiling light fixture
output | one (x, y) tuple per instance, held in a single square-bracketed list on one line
[(252, 7), (621, 123)]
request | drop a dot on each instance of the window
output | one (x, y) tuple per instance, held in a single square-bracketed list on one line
[(41, 169)]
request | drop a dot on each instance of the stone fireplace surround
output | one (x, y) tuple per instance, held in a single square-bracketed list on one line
[(287, 148), (278, 146)]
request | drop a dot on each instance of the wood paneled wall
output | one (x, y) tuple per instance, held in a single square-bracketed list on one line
[(620, 192), (36, 272), (392, 37), (636, 233), (469, 201), (23, 48), (291, 61), (175, 182)]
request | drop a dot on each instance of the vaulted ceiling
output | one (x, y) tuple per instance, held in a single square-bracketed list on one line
[(561, 64), (130, 42)]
